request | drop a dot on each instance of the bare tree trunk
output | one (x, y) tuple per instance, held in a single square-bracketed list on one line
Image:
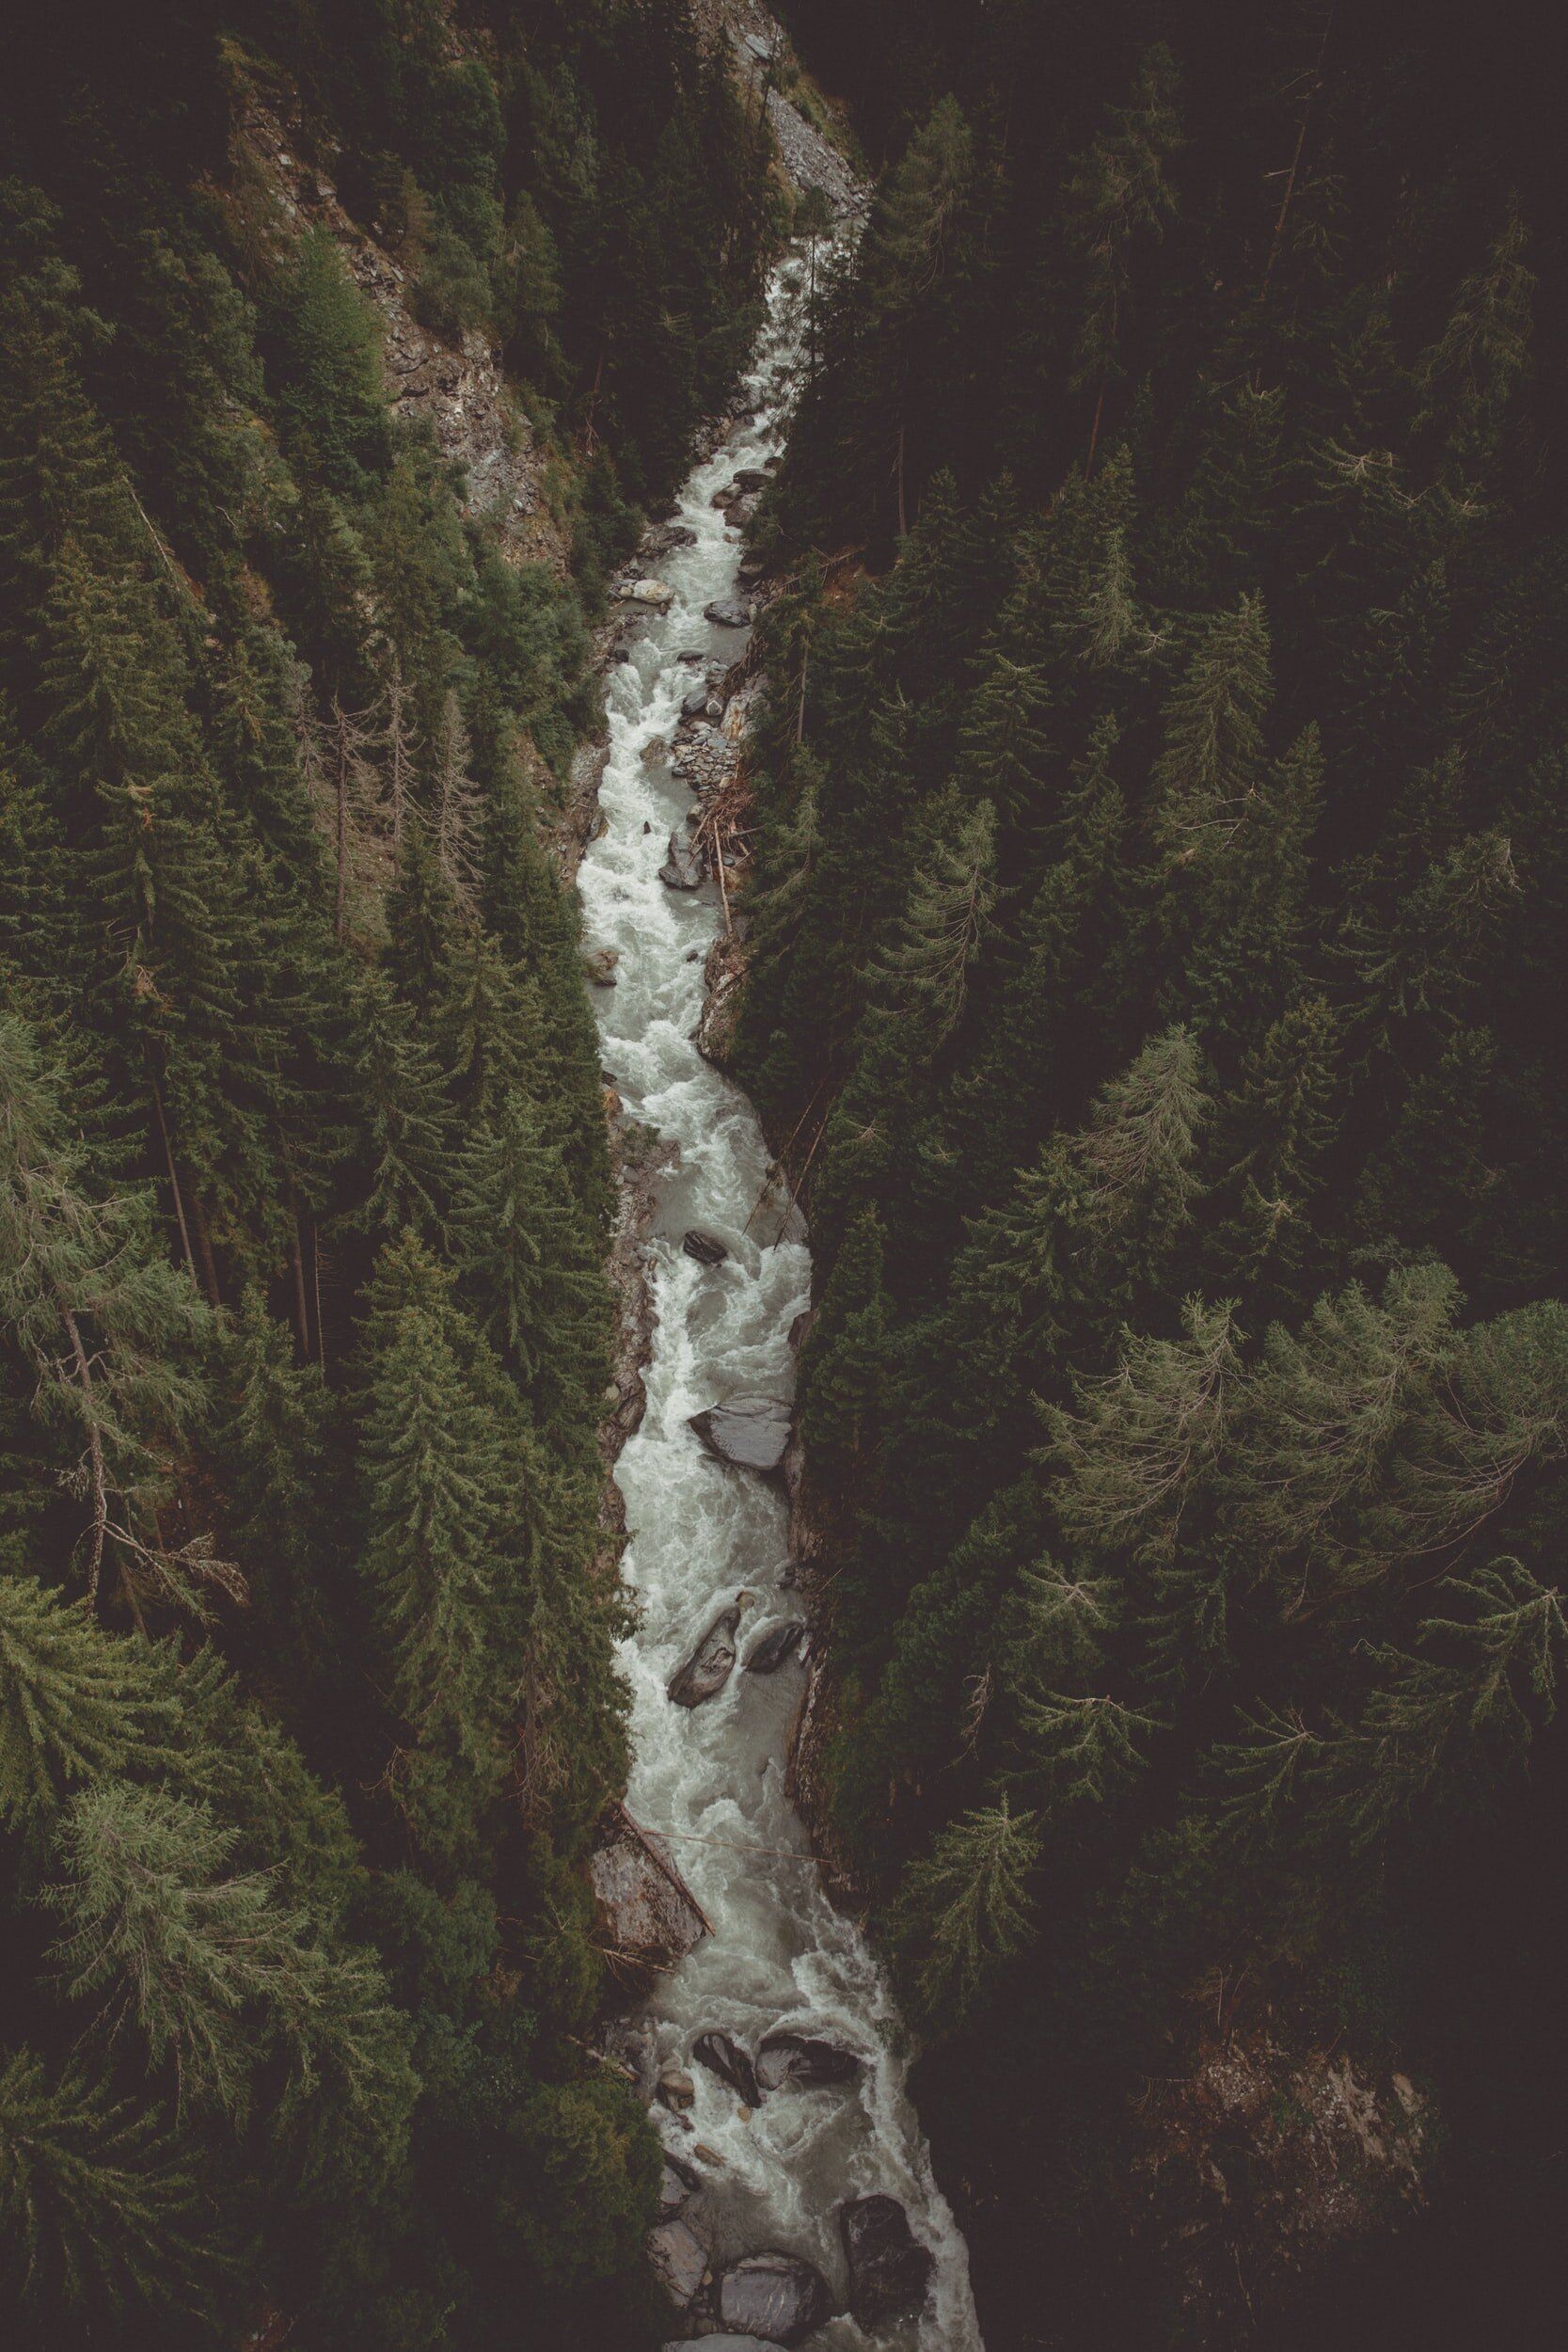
[(204, 1250), (1094, 429), (95, 1459), (903, 518), (174, 1181), (800, 708), (1313, 88)]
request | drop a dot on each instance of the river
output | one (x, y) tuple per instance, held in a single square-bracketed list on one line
[(712, 1778)]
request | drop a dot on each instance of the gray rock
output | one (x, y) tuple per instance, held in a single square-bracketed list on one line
[(728, 612), (677, 2183), (888, 2268), (723, 2056), (691, 660), (631, 2043), (679, 2261), (750, 480), (750, 568), (725, 2343), (675, 2088), (600, 964), (703, 1248), (774, 2296), (786, 2057), (711, 1664), (694, 705), (769, 1652), (800, 1330), (648, 1914), (683, 868), (657, 592), (750, 1432)]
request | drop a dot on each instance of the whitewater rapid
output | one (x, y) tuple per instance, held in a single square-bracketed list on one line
[(711, 1778)]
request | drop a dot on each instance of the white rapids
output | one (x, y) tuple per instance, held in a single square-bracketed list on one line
[(712, 1778)]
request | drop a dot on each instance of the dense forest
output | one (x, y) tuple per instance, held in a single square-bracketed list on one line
[(307, 1702), (1158, 979)]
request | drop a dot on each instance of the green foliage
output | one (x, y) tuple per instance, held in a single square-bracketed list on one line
[(966, 1911)]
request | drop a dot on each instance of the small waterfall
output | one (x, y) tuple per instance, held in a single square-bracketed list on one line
[(711, 1778)]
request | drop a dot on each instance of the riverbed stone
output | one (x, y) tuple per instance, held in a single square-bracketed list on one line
[(711, 1664), (787, 2056), (675, 2090), (751, 479), (648, 1914), (600, 964), (778, 2296), (655, 593), (694, 705), (888, 2268), (748, 1432), (679, 2261), (769, 1650), (722, 2054), (728, 612), (677, 2182), (703, 1247), (683, 868)]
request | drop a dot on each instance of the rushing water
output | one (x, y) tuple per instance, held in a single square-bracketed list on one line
[(712, 1778)]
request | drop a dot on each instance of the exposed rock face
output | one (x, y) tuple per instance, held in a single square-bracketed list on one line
[(888, 2268), (750, 1432), (728, 612), (786, 2057), (723, 2056), (648, 1914), (711, 1664), (722, 2343), (770, 1650), (703, 1248), (684, 868), (777, 2297), (677, 2182), (599, 966), (679, 2261)]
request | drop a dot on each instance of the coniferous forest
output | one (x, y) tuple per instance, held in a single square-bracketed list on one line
[(1159, 953), (307, 1698), (1155, 987)]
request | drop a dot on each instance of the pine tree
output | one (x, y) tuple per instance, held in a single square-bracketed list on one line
[(1213, 756), (404, 1112), (966, 1911), (1468, 380), (75, 1703), (99, 2209)]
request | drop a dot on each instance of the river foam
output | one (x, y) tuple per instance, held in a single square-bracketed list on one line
[(712, 1778)]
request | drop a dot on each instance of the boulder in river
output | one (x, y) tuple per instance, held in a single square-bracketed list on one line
[(751, 479), (649, 1913), (679, 2261), (711, 1664), (786, 2057), (703, 1247), (677, 2183), (725, 2343), (600, 964), (888, 2268), (683, 869), (769, 1650), (777, 2297), (657, 592), (723, 2056), (674, 2089), (750, 1432), (728, 612), (694, 705)]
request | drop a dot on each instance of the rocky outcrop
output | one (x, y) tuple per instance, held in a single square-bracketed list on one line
[(649, 1915), (722, 2054), (679, 2261), (888, 2268), (769, 1650), (703, 1247), (777, 2297), (786, 2057), (728, 612), (747, 1431), (711, 1664)]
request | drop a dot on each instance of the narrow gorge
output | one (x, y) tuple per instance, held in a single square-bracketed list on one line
[(773, 2045)]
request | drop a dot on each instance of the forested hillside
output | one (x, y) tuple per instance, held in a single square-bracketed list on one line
[(1158, 979), (307, 1705)]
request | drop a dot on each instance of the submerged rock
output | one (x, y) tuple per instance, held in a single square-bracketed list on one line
[(703, 1248), (770, 1650), (774, 2296), (723, 2056), (750, 1432), (679, 2261), (711, 1664), (888, 2268), (787, 2056), (683, 868), (728, 612)]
